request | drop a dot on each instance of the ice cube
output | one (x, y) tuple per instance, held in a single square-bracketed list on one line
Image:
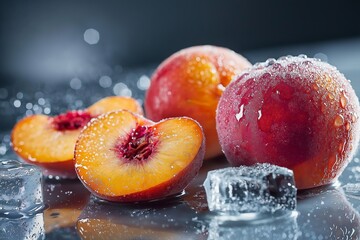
[(27, 228), (20, 188), (262, 188)]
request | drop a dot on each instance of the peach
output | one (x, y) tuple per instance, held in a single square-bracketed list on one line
[(190, 83), (295, 112), (50, 141), (124, 157)]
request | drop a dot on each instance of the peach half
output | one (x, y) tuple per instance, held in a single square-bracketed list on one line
[(124, 157), (50, 141)]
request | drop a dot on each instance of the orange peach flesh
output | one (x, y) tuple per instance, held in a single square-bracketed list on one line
[(36, 140), (113, 103), (102, 170)]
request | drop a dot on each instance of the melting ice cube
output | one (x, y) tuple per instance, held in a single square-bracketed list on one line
[(261, 188), (20, 188)]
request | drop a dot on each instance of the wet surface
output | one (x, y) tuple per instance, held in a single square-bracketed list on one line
[(330, 212)]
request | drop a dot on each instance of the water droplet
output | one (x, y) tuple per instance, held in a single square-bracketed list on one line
[(343, 100), (259, 114), (105, 81), (29, 105), (121, 89), (353, 117), (41, 101), (347, 126), (265, 76), (143, 83), (270, 61), (19, 95), (17, 103), (75, 83), (331, 96), (28, 112), (91, 36), (341, 147), (47, 110), (339, 121), (240, 114), (321, 56)]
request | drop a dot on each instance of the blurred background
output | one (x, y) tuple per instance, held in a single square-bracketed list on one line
[(58, 55)]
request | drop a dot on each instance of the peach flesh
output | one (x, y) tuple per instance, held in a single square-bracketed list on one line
[(295, 112), (139, 160)]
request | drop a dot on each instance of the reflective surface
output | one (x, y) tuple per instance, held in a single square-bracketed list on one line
[(322, 213)]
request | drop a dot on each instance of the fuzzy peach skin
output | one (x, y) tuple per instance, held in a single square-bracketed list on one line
[(50, 141), (190, 83), (294, 112), (131, 159)]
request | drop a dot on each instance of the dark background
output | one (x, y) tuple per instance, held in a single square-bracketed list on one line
[(44, 56), (43, 40)]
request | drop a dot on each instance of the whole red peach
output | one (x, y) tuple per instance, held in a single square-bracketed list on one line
[(295, 112), (190, 83)]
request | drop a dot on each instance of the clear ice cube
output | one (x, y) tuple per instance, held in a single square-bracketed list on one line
[(20, 188), (262, 188)]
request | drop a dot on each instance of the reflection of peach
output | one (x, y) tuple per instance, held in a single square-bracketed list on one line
[(50, 141), (190, 83), (105, 229), (123, 157), (60, 218), (295, 112), (166, 219), (65, 201)]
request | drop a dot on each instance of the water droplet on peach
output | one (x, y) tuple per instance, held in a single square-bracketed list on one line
[(240, 114), (343, 100), (347, 126), (339, 121), (270, 61), (341, 148), (354, 117)]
